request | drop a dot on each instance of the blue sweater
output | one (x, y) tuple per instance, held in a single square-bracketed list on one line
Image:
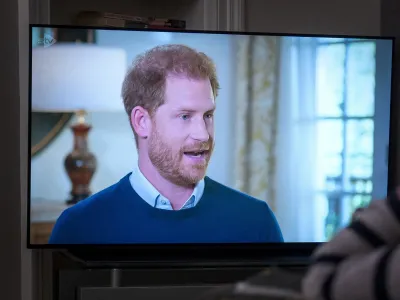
[(117, 215)]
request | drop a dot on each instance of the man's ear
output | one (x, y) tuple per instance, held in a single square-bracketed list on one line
[(141, 121)]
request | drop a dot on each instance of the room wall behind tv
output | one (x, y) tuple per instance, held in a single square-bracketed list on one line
[(369, 17)]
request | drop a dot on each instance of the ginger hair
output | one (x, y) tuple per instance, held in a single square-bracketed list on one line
[(145, 81)]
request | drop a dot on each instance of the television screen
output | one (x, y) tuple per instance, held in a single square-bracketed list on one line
[(179, 137)]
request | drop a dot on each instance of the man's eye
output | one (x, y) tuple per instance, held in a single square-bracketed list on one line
[(209, 116), (184, 117)]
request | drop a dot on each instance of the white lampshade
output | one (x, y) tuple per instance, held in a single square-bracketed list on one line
[(72, 77)]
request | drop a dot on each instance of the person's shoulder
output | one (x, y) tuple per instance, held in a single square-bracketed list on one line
[(76, 217), (101, 198), (249, 210), (233, 195)]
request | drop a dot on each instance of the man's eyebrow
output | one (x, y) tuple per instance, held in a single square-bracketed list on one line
[(212, 110), (190, 110)]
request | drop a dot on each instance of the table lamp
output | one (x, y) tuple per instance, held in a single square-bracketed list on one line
[(78, 78)]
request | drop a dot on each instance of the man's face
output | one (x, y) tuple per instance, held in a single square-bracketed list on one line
[(182, 135)]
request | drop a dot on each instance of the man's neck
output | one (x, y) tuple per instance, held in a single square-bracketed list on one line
[(176, 194)]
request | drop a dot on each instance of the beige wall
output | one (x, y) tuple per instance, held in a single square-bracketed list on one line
[(359, 17), (10, 202), (287, 16), (390, 26), (316, 16)]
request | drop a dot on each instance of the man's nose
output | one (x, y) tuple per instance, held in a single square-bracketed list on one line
[(200, 132)]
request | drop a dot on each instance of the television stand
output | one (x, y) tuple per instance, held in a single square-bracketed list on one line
[(77, 277), (116, 275), (190, 256)]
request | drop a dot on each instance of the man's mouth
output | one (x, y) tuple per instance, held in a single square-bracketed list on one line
[(196, 154)]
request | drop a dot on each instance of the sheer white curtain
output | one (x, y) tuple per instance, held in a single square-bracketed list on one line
[(297, 208)]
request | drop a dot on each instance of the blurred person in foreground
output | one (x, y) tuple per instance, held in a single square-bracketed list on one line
[(362, 262), (170, 95)]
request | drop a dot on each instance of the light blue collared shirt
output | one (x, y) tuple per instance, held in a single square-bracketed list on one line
[(149, 193)]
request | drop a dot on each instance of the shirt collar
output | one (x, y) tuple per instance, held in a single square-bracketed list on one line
[(152, 196)]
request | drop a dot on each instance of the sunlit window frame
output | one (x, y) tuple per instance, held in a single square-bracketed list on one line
[(334, 219)]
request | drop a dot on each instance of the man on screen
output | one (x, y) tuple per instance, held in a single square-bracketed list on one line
[(169, 94)]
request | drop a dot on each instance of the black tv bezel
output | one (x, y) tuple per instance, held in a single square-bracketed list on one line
[(162, 253)]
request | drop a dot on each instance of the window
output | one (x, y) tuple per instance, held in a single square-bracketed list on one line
[(345, 108)]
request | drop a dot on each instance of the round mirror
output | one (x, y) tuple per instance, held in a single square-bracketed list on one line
[(45, 127)]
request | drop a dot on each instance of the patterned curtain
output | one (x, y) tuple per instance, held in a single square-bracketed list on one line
[(257, 109)]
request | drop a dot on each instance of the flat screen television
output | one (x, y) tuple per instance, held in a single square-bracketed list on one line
[(203, 142)]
